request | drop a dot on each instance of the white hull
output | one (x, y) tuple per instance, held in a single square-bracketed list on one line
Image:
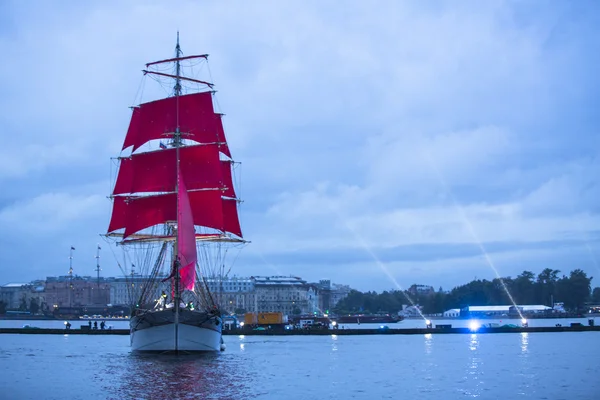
[(168, 336)]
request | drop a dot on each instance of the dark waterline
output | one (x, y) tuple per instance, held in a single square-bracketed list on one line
[(407, 323)]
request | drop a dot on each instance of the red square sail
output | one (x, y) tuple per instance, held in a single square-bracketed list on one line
[(231, 221), (194, 113), (227, 178), (156, 171), (137, 214), (209, 209)]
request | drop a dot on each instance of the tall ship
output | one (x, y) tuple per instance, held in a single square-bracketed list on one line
[(175, 211)]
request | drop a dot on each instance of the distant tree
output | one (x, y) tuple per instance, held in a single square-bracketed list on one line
[(387, 302), (474, 293), (581, 286), (437, 306), (2, 308), (596, 296), (574, 290), (353, 302), (23, 305), (296, 311), (34, 306), (523, 289), (545, 286)]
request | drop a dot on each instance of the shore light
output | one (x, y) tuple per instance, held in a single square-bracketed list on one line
[(474, 325)]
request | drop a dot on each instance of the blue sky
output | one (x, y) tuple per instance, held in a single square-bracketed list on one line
[(378, 144)]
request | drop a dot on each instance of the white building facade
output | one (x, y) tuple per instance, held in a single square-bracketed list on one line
[(289, 295), (234, 294)]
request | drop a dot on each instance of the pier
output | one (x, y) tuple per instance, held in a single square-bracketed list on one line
[(322, 332)]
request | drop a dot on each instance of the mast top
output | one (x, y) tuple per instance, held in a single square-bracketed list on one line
[(177, 76), (177, 87)]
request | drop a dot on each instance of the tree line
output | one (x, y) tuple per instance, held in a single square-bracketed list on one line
[(546, 288), (33, 306)]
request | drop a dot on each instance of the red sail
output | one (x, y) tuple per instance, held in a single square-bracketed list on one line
[(227, 178), (208, 208), (231, 221), (197, 120), (186, 237), (155, 171), (137, 214)]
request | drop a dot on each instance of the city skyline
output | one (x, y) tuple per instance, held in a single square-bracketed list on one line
[(375, 150)]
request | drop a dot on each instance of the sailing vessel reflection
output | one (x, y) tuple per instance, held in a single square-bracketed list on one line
[(199, 375)]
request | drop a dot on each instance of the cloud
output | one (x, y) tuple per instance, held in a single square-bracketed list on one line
[(52, 213), (411, 129), (576, 187)]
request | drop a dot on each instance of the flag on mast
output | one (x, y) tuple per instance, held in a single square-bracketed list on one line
[(72, 248)]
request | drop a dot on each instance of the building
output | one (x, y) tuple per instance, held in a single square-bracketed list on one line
[(330, 294), (474, 311), (13, 294), (289, 295), (452, 313), (232, 293), (19, 296), (235, 295), (421, 290), (76, 291), (411, 311), (126, 291), (324, 287), (338, 292)]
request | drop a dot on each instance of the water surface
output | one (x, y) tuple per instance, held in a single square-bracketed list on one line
[(455, 366)]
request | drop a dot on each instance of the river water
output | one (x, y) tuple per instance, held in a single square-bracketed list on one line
[(450, 366)]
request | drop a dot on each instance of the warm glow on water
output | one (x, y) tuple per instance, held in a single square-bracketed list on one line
[(490, 366)]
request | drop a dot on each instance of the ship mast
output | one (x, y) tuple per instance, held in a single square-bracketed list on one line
[(71, 279), (177, 143), (98, 266)]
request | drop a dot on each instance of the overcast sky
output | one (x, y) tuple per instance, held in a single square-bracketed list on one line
[(382, 144)]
